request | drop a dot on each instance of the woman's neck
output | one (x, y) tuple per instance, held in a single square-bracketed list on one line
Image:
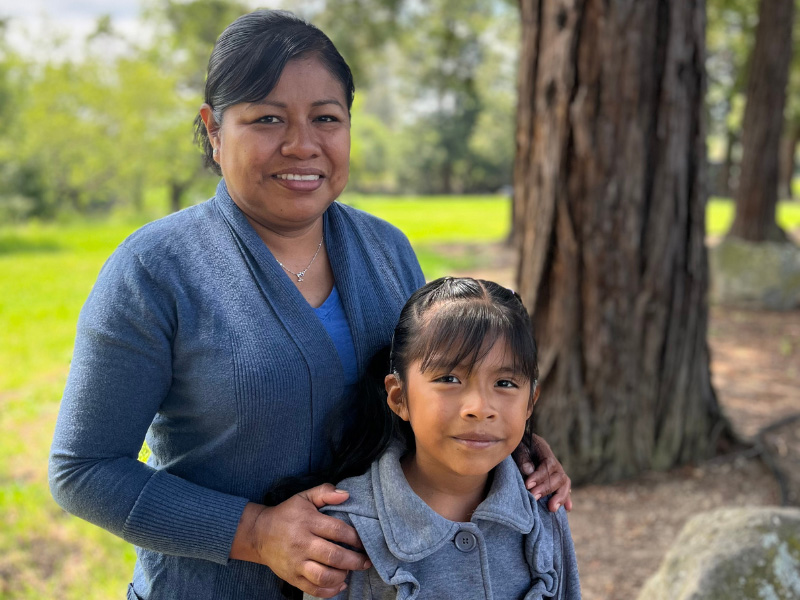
[(455, 497), (298, 250)]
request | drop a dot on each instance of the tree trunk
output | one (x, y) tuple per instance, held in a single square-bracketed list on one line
[(789, 142), (610, 198), (757, 195), (176, 190), (726, 189)]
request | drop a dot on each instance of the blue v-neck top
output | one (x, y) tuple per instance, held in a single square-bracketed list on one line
[(194, 338), (334, 319)]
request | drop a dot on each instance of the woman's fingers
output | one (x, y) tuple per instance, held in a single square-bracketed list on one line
[(331, 528), (319, 591), (322, 578), (549, 477)]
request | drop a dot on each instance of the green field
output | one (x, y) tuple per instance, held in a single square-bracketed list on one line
[(46, 272)]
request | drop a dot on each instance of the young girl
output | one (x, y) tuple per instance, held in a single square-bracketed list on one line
[(443, 511)]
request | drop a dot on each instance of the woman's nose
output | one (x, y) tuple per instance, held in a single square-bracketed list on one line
[(300, 142)]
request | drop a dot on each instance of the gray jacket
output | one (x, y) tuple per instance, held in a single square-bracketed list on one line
[(512, 548)]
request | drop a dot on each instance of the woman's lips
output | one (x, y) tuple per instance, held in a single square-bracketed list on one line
[(299, 182)]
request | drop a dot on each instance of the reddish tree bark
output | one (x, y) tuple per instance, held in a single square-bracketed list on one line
[(610, 198), (757, 194)]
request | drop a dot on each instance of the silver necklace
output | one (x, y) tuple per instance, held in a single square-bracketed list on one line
[(302, 273)]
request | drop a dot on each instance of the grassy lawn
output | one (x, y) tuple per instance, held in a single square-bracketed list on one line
[(46, 273)]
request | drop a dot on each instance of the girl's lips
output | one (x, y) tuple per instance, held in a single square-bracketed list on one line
[(476, 441)]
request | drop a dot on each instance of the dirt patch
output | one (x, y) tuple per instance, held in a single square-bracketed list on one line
[(623, 530)]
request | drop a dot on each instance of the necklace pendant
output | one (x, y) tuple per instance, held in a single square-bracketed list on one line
[(300, 276)]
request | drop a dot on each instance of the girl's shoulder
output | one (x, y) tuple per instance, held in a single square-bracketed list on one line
[(361, 501)]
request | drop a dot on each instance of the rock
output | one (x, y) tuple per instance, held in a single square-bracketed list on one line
[(732, 554), (764, 275)]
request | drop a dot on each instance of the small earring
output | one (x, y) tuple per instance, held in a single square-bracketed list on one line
[(216, 151)]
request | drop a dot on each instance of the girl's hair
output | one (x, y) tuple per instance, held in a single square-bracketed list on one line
[(449, 322), (249, 57)]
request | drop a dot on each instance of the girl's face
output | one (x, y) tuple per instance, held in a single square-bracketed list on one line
[(464, 424)]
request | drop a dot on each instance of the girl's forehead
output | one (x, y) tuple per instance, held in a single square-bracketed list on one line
[(490, 353)]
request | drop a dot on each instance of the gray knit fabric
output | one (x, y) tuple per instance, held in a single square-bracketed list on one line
[(194, 336), (520, 550)]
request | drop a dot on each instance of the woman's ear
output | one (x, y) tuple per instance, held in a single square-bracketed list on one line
[(395, 396), (212, 127), (533, 401)]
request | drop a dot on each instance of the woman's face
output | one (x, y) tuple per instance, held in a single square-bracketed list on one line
[(286, 158)]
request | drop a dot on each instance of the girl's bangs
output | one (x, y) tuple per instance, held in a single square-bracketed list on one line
[(461, 334)]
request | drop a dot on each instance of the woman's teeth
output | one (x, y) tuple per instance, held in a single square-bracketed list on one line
[(293, 177)]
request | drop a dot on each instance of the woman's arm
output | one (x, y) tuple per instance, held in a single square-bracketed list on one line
[(121, 371)]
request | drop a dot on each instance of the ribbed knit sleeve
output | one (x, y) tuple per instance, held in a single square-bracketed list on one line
[(121, 372)]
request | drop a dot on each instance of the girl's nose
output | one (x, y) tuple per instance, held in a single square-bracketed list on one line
[(300, 142), (477, 406)]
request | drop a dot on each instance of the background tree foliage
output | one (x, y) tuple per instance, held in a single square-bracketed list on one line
[(110, 128)]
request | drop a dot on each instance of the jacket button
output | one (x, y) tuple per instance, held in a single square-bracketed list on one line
[(465, 541)]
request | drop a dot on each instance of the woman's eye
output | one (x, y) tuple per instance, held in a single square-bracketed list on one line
[(267, 119), (327, 119), (506, 383)]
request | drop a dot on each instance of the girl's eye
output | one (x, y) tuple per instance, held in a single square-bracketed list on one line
[(447, 379), (506, 383)]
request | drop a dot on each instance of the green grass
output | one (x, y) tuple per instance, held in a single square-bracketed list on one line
[(437, 219), (720, 213), (46, 272)]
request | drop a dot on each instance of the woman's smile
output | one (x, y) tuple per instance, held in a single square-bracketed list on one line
[(300, 180)]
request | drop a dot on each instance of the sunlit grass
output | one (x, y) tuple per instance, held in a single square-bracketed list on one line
[(720, 213)]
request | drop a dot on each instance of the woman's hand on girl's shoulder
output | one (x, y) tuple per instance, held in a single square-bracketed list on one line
[(548, 478), (300, 544)]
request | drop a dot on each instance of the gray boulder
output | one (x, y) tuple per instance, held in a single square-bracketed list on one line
[(732, 554), (764, 275)]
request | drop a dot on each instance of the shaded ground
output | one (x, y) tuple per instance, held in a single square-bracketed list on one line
[(623, 530)]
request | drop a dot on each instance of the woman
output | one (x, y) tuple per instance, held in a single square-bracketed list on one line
[(231, 334)]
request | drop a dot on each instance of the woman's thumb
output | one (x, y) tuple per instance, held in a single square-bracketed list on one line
[(325, 494)]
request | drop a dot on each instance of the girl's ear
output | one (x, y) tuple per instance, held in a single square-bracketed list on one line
[(395, 397), (533, 401)]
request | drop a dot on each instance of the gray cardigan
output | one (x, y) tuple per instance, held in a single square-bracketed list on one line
[(194, 336), (512, 548)]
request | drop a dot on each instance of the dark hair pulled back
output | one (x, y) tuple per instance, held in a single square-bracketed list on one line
[(249, 57)]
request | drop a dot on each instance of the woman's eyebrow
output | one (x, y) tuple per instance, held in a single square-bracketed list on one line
[(279, 104)]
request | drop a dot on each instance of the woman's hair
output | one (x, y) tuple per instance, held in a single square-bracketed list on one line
[(449, 322), (249, 57)]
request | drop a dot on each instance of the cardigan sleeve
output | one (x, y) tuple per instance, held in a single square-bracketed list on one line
[(120, 373)]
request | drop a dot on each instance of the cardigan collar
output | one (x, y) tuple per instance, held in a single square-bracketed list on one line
[(413, 530)]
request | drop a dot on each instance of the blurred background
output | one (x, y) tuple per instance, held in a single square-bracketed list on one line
[(459, 104)]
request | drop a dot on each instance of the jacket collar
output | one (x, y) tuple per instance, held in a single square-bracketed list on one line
[(413, 530)]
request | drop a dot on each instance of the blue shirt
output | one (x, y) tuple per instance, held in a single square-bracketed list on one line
[(334, 319)]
